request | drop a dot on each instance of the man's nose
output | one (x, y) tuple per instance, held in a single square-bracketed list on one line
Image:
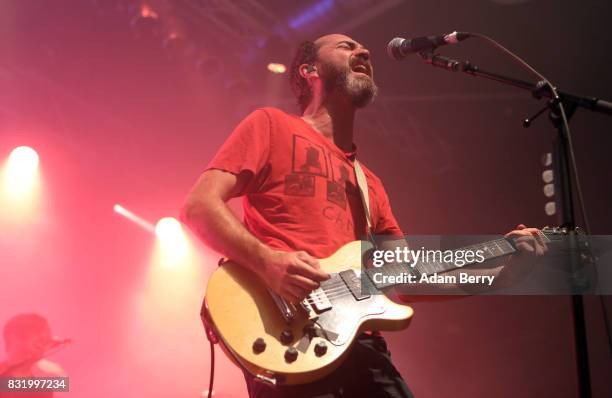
[(363, 53)]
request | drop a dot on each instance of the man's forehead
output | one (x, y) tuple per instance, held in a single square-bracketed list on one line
[(333, 38)]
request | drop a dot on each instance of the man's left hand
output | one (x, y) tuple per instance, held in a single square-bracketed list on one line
[(528, 240)]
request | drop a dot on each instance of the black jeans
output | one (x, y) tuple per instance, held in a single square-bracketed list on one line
[(366, 372)]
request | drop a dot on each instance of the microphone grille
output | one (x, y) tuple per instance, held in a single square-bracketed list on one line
[(393, 48)]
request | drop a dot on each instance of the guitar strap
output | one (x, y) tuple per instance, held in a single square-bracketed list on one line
[(362, 183)]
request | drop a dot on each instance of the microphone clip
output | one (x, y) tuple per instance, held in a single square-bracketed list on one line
[(443, 62)]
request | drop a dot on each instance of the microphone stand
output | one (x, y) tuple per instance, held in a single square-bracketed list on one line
[(570, 103), (539, 90)]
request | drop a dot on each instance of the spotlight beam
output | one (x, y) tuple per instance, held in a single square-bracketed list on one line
[(134, 218)]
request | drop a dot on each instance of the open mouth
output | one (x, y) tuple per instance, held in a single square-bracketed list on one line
[(360, 68)]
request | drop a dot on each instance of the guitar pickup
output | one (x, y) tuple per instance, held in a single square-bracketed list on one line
[(353, 282), (319, 300)]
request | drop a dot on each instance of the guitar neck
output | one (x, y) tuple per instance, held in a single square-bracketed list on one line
[(490, 250), (434, 262)]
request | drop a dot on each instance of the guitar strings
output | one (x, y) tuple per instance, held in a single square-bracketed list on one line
[(337, 292), (337, 289), (331, 297), (332, 290)]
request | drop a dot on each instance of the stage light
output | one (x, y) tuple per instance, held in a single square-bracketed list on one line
[(168, 229), (147, 12), (549, 190), (21, 172), (312, 13), (133, 217), (277, 68), (23, 160), (172, 241), (548, 176), (146, 22)]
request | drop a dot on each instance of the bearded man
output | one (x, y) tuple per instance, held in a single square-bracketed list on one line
[(302, 202)]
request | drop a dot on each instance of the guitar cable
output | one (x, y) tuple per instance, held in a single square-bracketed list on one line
[(212, 366), (212, 339)]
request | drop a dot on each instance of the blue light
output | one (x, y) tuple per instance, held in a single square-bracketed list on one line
[(311, 13)]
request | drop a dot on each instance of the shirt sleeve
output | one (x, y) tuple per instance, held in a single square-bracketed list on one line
[(386, 224), (246, 149)]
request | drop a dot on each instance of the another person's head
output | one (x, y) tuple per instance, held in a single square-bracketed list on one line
[(338, 66), (26, 335)]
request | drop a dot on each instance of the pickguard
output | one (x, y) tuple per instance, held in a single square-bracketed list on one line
[(340, 322)]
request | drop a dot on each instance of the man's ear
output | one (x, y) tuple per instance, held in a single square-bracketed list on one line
[(307, 71)]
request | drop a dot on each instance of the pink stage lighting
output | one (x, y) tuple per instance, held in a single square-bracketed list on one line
[(21, 171), (169, 229), (277, 68), (24, 159), (172, 242), (134, 218)]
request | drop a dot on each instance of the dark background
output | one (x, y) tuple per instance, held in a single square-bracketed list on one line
[(128, 109)]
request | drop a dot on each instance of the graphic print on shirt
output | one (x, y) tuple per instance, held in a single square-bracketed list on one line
[(311, 161), (308, 158), (308, 161), (300, 185), (340, 176)]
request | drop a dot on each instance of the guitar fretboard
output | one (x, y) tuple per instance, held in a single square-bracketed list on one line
[(489, 250)]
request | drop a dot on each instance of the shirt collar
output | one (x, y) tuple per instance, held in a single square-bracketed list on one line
[(352, 154)]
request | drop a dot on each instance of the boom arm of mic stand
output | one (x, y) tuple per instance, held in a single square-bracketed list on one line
[(538, 90)]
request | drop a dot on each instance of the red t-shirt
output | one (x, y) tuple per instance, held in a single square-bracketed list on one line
[(302, 192)]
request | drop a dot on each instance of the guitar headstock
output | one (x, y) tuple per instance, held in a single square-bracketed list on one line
[(552, 233), (556, 233), (582, 240)]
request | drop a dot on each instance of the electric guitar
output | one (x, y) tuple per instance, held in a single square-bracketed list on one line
[(282, 343)]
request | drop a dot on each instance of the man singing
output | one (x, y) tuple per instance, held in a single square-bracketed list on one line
[(302, 202)]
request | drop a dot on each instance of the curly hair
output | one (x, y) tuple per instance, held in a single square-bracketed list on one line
[(305, 54)]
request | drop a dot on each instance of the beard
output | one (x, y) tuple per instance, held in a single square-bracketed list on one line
[(360, 90)]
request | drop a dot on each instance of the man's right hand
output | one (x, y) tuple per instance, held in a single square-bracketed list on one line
[(292, 275)]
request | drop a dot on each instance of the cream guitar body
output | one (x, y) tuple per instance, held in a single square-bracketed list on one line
[(297, 344), (285, 344)]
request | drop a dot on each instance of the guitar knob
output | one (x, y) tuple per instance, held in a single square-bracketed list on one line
[(320, 348), (286, 336), (291, 354), (259, 345)]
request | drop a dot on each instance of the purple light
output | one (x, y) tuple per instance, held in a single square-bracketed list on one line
[(313, 12)]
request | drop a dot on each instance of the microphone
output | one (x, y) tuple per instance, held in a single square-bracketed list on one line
[(399, 48)]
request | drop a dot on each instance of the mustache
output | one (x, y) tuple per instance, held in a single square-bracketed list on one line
[(361, 61)]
